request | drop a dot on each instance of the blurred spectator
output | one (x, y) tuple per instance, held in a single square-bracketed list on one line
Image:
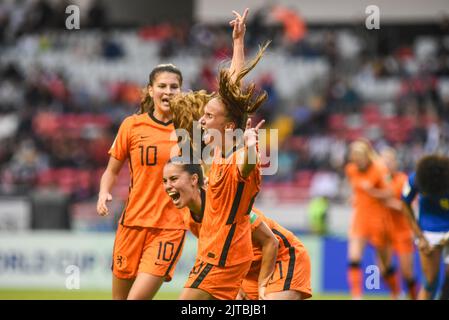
[(97, 15), (61, 99), (317, 213)]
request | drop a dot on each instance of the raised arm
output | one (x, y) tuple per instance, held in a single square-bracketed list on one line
[(238, 35)]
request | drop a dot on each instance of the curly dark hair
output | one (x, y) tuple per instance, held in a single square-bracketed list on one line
[(432, 174)]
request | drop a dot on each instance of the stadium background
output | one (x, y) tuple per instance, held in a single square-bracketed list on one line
[(63, 94)]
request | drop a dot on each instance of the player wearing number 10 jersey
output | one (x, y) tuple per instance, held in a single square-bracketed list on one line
[(151, 231)]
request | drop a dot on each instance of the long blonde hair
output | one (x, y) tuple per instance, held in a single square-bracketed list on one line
[(365, 146)]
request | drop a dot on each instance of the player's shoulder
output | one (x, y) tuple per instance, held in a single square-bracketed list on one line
[(350, 168), (131, 120)]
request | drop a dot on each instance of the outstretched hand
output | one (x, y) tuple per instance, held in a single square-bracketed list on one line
[(251, 135), (239, 24)]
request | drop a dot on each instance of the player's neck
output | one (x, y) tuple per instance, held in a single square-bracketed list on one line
[(196, 205), (162, 117), (226, 151)]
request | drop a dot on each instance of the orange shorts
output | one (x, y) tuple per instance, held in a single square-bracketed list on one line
[(403, 242), (375, 231), (401, 234), (149, 250), (221, 283), (292, 272)]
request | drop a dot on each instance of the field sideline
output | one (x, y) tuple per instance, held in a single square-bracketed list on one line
[(16, 294)]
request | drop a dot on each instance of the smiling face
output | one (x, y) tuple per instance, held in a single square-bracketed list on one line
[(164, 87), (179, 185), (214, 118)]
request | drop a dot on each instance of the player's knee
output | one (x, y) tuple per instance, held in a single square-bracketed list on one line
[(391, 270), (354, 264), (410, 281)]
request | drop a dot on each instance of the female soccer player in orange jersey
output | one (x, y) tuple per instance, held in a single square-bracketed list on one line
[(224, 247), (281, 265), (151, 232), (401, 232), (370, 222)]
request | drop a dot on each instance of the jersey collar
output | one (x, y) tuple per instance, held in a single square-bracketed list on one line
[(159, 121)]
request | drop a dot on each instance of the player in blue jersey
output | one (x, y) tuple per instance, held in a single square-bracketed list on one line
[(431, 183)]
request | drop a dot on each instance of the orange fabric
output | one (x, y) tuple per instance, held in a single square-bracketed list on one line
[(300, 276), (221, 283), (149, 250), (298, 279), (355, 280), (292, 270), (370, 220), (273, 225), (147, 145), (191, 224), (294, 26), (401, 232), (225, 235)]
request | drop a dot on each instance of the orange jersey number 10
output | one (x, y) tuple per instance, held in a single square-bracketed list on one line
[(148, 155)]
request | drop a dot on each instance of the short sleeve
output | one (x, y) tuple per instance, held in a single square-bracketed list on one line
[(255, 220), (120, 146)]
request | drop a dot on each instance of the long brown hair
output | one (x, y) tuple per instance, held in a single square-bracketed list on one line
[(146, 102), (241, 101)]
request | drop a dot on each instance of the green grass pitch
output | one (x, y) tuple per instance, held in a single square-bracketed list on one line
[(36, 294)]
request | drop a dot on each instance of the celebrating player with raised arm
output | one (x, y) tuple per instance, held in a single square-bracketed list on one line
[(151, 232), (281, 266)]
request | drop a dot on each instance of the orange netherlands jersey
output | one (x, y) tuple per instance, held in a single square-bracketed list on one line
[(192, 224), (286, 238), (364, 203), (145, 142), (225, 235), (399, 219)]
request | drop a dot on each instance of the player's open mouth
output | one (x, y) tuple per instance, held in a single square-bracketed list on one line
[(166, 101), (174, 196)]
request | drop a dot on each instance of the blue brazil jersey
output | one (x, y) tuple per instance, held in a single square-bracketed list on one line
[(433, 210)]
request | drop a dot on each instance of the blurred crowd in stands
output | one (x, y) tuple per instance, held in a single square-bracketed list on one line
[(64, 93)]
